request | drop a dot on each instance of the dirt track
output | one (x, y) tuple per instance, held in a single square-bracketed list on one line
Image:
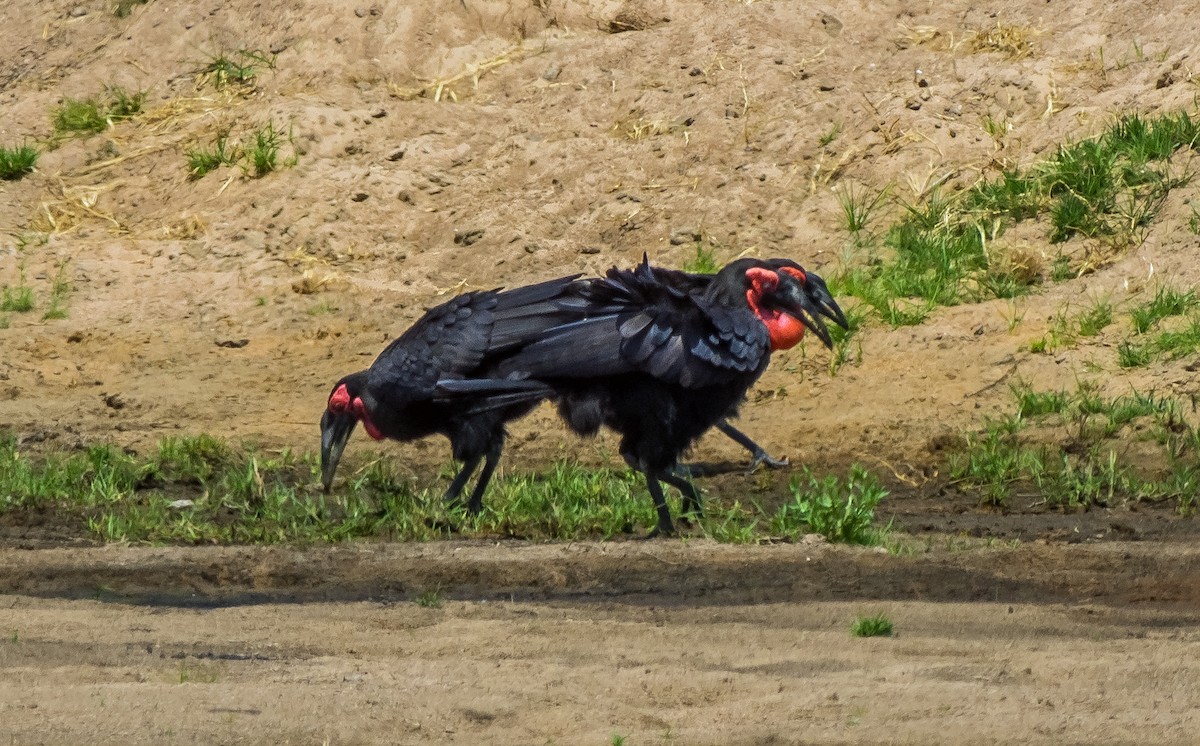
[(663, 643)]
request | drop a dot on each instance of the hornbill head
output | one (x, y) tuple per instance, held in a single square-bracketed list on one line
[(788, 299), (343, 411)]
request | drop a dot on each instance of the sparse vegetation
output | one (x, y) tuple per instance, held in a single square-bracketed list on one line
[(872, 626), (60, 288), (87, 116), (704, 262), (1176, 341), (840, 511), (261, 153), (201, 489), (847, 344), (1072, 449), (944, 250), (202, 160), (236, 69), (430, 599), (17, 298), (17, 161), (858, 206)]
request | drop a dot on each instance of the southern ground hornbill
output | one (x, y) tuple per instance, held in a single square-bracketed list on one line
[(462, 338), (394, 398), (661, 361)]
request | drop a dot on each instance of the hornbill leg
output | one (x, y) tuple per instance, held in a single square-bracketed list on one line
[(664, 527), (759, 454), (460, 479), (489, 465), (691, 496)]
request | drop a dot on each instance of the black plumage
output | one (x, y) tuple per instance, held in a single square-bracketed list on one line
[(395, 397), (660, 362)]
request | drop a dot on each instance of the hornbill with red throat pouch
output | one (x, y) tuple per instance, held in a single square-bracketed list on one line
[(694, 282), (660, 362), (395, 397)]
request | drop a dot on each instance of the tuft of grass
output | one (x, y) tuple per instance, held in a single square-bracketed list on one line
[(1130, 355), (18, 299), (872, 626), (704, 262), (847, 346), (79, 116), (858, 207), (263, 152), (237, 69), (1166, 302), (60, 288), (124, 8), (616, 740), (201, 160), (87, 116), (1095, 318), (17, 161), (830, 134), (430, 599), (842, 512)]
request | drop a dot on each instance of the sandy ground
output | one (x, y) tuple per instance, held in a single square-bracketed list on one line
[(441, 145), (659, 642)]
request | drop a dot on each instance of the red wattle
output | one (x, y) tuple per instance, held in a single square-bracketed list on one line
[(360, 411), (786, 331), (339, 400)]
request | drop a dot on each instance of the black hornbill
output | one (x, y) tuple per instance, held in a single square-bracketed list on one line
[(395, 397), (661, 361), (694, 282)]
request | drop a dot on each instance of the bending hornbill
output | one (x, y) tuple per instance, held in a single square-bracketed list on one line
[(394, 398), (660, 362)]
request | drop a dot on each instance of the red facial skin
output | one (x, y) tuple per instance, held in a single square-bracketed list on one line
[(786, 331), (340, 401)]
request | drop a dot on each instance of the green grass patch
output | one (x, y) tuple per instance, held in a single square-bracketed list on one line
[(87, 116), (841, 511), (872, 626), (1076, 449), (17, 161), (18, 299), (858, 207), (202, 160), (202, 490), (943, 251), (703, 262), (1167, 302), (237, 69), (431, 599)]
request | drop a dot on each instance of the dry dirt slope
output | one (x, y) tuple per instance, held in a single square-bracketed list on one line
[(570, 148)]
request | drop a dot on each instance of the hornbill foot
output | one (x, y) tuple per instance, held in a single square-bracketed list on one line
[(662, 532), (762, 458)]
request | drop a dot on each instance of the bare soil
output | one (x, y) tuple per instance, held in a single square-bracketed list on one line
[(448, 145)]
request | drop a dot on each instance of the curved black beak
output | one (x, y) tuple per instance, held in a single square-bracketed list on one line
[(335, 432), (810, 302)]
